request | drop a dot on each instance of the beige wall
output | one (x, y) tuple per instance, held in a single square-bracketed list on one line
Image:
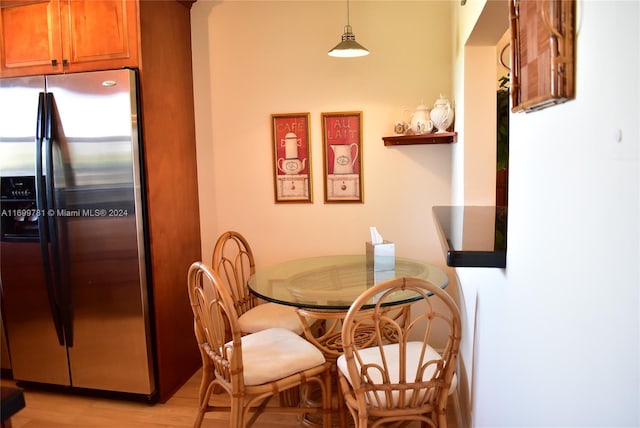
[(253, 59), (480, 26)]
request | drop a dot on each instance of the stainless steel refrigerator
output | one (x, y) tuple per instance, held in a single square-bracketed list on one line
[(73, 270)]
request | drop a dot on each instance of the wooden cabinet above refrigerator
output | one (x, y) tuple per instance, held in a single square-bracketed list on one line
[(64, 36)]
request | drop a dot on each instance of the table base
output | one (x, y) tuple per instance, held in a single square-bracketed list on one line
[(323, 328)]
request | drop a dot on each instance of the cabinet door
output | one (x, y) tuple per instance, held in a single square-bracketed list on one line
[(543, 52), (60, 36), (30, 37), (99, 34)]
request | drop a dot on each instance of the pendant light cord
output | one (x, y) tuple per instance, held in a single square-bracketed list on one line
[(348, 23)]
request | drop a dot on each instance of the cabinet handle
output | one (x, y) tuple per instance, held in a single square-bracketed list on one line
[(54, 63)]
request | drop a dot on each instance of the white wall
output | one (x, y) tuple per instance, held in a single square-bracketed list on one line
[(558, 330), (253, 59)]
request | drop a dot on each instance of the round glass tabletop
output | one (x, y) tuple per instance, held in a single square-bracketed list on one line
[(334, 282)]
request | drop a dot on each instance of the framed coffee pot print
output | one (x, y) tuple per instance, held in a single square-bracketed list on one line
[(291, 157)]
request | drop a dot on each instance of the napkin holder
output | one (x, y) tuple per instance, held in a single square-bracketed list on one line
[(381, 261)]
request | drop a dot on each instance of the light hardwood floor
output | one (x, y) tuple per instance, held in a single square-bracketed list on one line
[(58, 410)]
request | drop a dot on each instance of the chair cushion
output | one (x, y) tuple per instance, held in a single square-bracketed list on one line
[(372, 356), (276, 353), (270, 315)]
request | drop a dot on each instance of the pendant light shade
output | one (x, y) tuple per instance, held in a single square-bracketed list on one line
[(348, 47)]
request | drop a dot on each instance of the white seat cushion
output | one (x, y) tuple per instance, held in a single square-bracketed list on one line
[(372, 356), (270, 315), (276, 353)]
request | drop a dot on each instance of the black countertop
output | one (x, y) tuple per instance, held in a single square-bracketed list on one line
[(473, 236)]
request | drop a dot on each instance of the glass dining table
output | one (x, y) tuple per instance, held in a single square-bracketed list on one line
[(323, 288)]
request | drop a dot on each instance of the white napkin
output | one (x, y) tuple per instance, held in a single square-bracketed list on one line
[(376, 238)]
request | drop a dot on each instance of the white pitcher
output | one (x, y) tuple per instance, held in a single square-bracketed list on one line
[(420, 121), (343, 158)]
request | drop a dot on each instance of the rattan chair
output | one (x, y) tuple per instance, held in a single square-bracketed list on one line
[(251, 368), (405, 380), (233, 260)]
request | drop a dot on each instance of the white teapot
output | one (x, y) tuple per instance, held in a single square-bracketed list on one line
[(442, 114), (420, 122)]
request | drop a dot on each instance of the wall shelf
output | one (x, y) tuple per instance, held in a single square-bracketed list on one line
[(402, 140)]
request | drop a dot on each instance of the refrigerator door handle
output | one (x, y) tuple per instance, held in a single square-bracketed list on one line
[(61, 287), (43, 211), (41, 204)]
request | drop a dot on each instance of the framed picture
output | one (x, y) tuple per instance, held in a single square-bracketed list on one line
[(542, 53), (342, 151), (291, 157)]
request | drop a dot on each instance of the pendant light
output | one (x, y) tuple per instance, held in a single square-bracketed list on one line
[(348, 47)]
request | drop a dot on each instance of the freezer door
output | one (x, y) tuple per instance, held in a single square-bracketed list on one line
[(18, 115), (36, 352), (99, 219), (36, 355)]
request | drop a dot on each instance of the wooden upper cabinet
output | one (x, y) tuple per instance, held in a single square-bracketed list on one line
[(100, 32), (63, 36), (542, 52), (30, 34)]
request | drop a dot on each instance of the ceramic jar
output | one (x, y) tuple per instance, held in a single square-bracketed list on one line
[(442, 114)]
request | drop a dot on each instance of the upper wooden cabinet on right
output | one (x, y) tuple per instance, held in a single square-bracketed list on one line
[(62, 36), (542, 53)]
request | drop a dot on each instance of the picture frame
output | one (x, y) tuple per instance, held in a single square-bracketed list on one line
[(291, 158), (542, 53), (342, 153)]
